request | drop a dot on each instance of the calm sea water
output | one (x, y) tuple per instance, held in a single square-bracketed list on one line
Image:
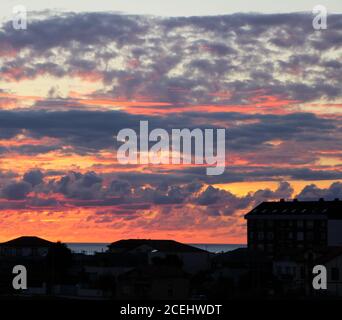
[(91, 248)]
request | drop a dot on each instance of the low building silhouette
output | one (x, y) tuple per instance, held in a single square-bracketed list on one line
[(25, 247), (193, 259)]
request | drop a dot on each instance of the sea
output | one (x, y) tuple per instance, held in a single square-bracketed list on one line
[(92, 248)]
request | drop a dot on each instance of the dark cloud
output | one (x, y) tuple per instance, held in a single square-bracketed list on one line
[(34, 177), (221, 202), (76, 185), (65, 29), (120, 188), (184, 60), (16, 191), (90, 131), (313, 193)]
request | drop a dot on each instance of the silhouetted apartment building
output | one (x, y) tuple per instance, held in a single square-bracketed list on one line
[(277, 227), (192, 258), (25, 247)]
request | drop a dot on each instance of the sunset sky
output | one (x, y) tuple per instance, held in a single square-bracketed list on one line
[(83, 70)]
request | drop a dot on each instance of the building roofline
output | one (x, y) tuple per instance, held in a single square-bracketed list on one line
[(305, 209)]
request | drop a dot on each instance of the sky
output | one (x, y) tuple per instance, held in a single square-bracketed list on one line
[(85, 70), (175, 7)]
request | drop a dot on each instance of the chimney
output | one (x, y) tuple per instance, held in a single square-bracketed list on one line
[(321, 199), (282, 200), (337, 199), (295, 200)]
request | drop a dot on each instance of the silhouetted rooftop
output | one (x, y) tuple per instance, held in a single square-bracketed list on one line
[(160, 245), (144, 272), (330, 209), (27, 242), (331, 253), (241, 256)]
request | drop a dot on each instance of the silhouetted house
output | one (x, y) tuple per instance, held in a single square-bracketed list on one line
[(103, 265), (192, 258), (153, 283), (25, 247), (278, 227)]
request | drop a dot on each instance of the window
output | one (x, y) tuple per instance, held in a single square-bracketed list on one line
[(310, 236), (300, 236), (300, 223), (310, 224), (260, 236), (270, 236), (290, 235), (251, 235), (261, 247), (270, 223), (323, 235), (335, 274)]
